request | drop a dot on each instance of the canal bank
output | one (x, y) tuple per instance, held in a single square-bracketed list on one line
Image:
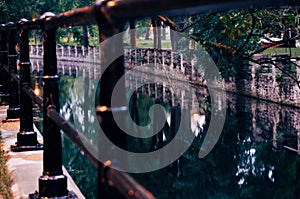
[(25, 168), (264, 81)]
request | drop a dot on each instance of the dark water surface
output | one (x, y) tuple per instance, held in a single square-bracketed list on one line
[(250, 159)]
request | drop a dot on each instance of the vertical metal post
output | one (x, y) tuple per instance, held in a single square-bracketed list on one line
[(109, 78), (1, 69), (1, 73), (3, 63), (13, 112), (26, 138), (52, 183)]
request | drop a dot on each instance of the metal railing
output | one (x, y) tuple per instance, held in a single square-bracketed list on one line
[(110, 16)]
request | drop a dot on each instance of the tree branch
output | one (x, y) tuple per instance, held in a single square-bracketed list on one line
[(194, 23), (254, 21), (169, 22)]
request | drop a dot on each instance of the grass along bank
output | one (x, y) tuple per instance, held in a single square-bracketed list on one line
[(5, 180), (295, 51)]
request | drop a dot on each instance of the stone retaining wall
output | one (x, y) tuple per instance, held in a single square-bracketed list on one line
[(262, 81)]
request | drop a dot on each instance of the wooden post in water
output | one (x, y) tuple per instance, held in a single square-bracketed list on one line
[(13, 112)]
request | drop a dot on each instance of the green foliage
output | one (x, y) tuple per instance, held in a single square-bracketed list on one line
[(142, 26), (3, 10), (295, 51), (229, 29), (228, 35), (13, 10)]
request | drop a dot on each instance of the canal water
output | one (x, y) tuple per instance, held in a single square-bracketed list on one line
[(256, 155)]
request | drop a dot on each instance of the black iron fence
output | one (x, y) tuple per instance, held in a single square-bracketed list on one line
[(110, 16)]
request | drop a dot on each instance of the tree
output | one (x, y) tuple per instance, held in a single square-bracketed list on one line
[(3, 10), (233, 36)]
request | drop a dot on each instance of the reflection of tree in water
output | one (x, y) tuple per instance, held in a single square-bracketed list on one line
[(75, 93), (140, 104), (238, 167)]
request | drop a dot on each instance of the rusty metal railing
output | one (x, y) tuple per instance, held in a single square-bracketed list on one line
[(110, 16)]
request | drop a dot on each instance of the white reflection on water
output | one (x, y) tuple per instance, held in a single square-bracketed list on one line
[(197, 123)]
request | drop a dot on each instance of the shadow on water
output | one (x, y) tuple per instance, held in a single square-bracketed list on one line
[(250, 159)]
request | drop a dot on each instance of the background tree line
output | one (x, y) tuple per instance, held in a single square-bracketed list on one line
[(13, 10), (230, 37), (233, 37)]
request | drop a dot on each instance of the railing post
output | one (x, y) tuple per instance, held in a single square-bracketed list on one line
[(4, 94), (13, 112), (26, 138), (52, 183), (112, 72)]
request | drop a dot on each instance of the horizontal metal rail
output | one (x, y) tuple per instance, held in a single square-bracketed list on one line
[(12, 75), (81, 16), (6, 69), (73, 134), (127, 9), (143, 8), (15, 77), (126, 185), (30, 92)]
